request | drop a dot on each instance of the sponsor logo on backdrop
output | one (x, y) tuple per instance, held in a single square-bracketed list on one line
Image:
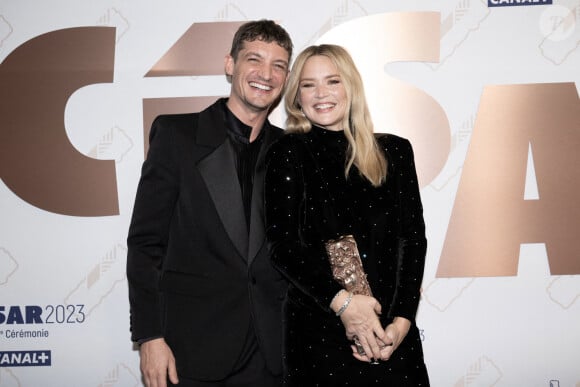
[(35, 321), (516, 3), (48, 314), (36, 358)]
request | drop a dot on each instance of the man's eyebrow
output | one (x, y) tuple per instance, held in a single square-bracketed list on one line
[(252, 53), (248, 54)]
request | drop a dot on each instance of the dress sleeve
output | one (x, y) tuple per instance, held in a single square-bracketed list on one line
[(304, 265), (148, 232), (412, 244)]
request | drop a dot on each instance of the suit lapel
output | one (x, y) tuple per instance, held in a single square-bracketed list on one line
[(219, 173)]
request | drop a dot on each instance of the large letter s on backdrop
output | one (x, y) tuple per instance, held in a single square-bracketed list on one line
[(37, 161), (398, 107)]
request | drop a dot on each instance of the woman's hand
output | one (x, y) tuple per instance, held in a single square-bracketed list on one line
[(360, 320), (394, 335)]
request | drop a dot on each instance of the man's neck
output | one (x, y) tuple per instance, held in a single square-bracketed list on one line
[(252, 118)]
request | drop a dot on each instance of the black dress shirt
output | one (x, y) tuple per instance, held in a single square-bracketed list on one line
[(246, 155)]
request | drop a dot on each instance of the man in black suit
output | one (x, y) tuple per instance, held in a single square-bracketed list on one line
[(205, 300)]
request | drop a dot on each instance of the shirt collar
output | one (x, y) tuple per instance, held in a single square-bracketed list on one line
[(236, 127)]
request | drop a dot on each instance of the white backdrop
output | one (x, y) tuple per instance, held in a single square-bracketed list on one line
[(63, 288)]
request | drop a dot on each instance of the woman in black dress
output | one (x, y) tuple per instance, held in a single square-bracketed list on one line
[(330, 175)]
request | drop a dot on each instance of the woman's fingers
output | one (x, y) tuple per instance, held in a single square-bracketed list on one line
[(361, 322)]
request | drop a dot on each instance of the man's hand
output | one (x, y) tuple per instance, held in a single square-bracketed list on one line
[(157, 363)]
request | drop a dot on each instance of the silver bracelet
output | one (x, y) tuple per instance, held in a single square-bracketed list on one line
[(345, 305), (336, 295)]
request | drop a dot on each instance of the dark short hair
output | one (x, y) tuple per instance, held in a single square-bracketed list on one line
[(265, 30)]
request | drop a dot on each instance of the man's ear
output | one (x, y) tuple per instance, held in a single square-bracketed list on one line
[(229, 65)]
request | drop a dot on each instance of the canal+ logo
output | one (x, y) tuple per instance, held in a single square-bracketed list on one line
[(516, 3), (25, 358)]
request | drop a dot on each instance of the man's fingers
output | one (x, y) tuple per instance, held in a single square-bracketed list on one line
[(172, 372)]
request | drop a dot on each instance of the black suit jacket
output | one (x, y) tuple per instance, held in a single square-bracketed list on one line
[(196, 275)]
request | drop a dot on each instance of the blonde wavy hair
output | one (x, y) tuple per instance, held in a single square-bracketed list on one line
[(363, 150)]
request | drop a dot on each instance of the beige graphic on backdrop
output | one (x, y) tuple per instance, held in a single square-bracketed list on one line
[(490, 218), (114, 18), (115, 144), (377, 40), (231, 12), (560, 28), (346, 10), (37, 161), (100, 281), (122, 376), (441, 293), (483, 373), (460, 138), (5, 30), (456, 27), (8, 266), (564, 290), (8, 379)]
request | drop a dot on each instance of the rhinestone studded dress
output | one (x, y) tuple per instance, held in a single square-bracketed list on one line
[(309, 200)]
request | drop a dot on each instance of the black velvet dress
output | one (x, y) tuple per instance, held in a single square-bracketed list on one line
[(308, 201)]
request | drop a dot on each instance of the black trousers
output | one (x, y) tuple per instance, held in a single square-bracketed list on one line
[(253, 374)]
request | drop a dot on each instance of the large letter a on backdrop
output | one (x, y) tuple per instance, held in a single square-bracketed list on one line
[(490, 218), (37, 161)]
